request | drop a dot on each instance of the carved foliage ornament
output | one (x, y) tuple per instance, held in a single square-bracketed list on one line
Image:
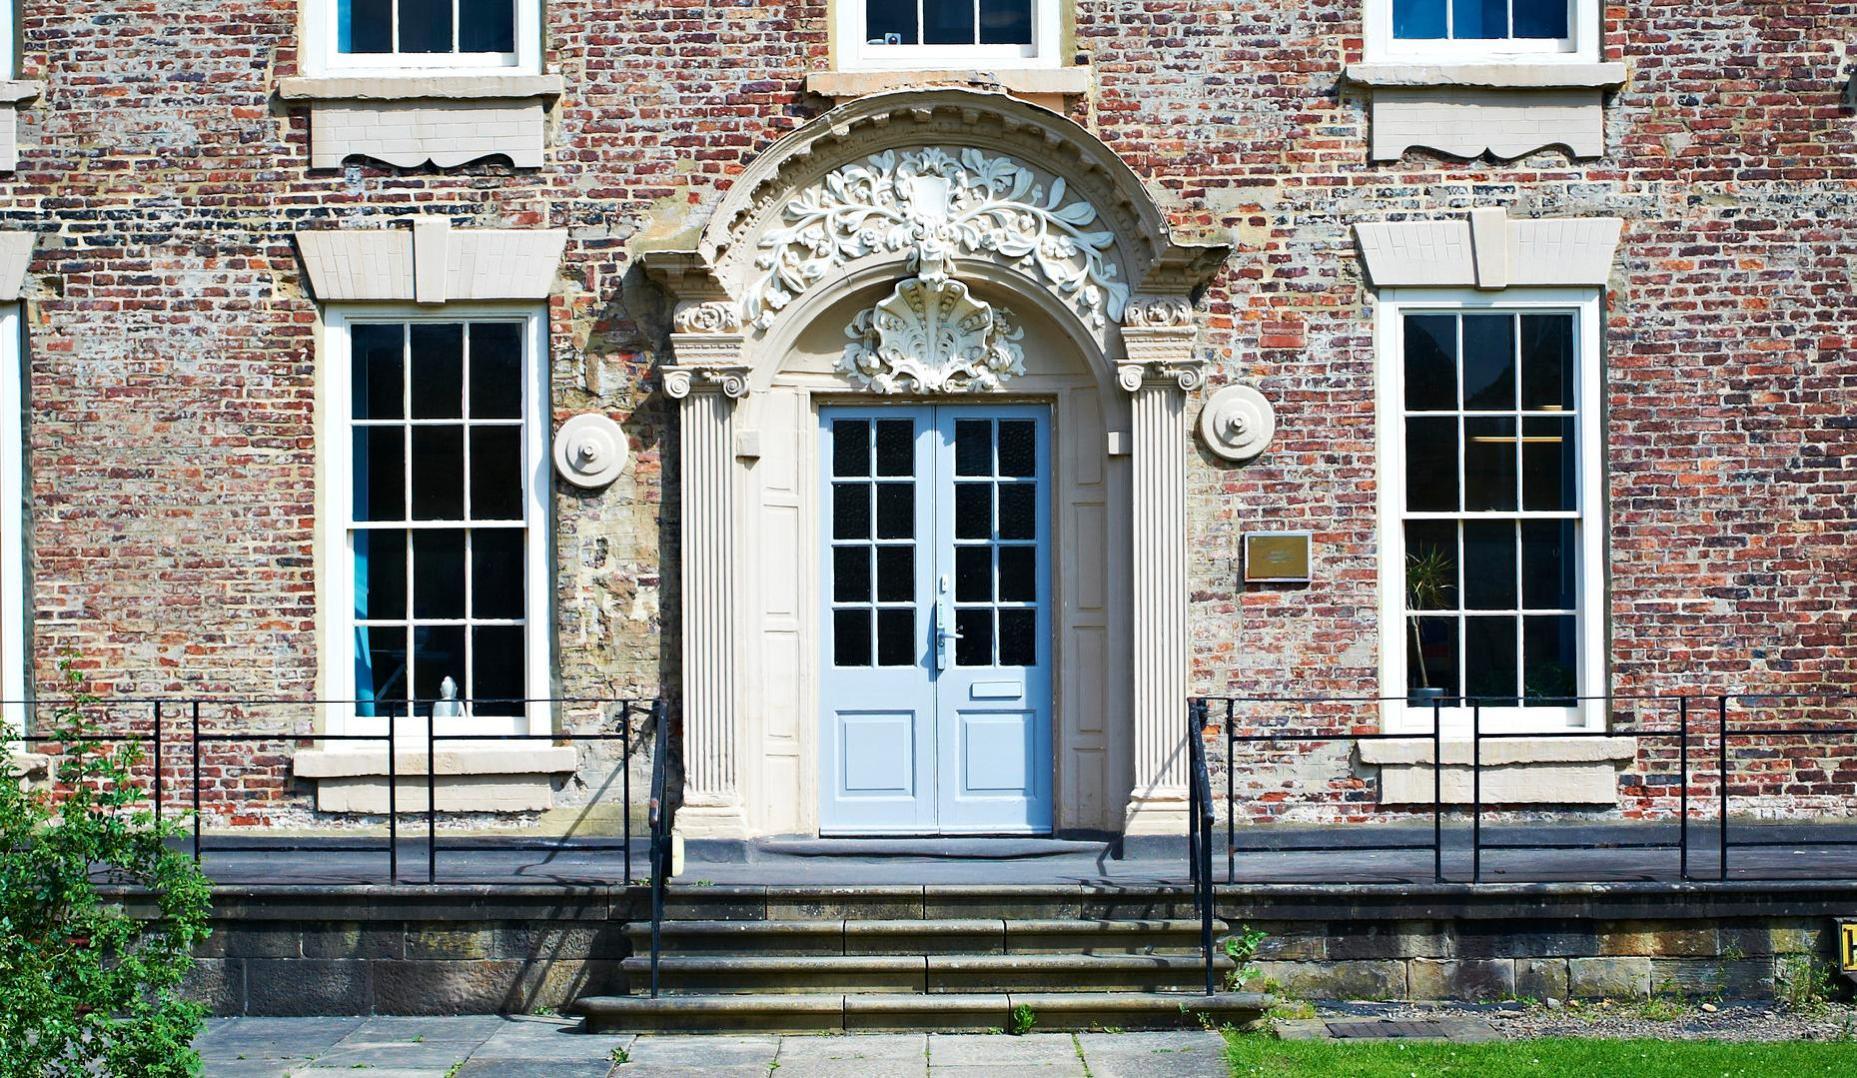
[(932, 336), (930, 203)]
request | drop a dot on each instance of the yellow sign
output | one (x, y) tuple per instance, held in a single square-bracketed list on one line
[(1276, 558), (1847, 946)]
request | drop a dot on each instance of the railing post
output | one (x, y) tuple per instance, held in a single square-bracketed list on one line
[(625, 780), (196, 781), (1231, 805), (1192, 796), (393, 806), (1721, 726), (1682, 826), (157, 764), (1437, 791), (1476, 793), (431, 796)]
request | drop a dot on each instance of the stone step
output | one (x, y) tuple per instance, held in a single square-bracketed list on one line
[(687, 901), (686, 974), (923, 937), (944, 1012)]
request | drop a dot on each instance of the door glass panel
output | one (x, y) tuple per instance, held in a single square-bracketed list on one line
[(896, 574), (850, 511), (1018, 448), (973, 574), (975, 644), (896, 510), (851, 637), (896, 447), (1018, 638), (851, 448), (973, 447), (873, 534), (1018, 511), (896, 637), (851, 574), (973, 511), (1018, 574)]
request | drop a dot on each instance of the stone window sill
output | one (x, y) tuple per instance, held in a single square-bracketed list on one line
[(447, 120), (1518, 76), (1516, 770), (17, 91), (1042, 86), (478, 779)]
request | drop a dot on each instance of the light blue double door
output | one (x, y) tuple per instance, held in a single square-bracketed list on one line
[(936, 680)]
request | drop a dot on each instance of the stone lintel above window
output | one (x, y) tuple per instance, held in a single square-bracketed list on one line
[(447, 119), (1506, 110), (1041, 86), (13, 94), (430, 263), (1487, 250)]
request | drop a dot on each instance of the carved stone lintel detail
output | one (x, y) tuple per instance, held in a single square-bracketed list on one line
[(730, 380), (713, 316), (1187, 374), (1158, 312)]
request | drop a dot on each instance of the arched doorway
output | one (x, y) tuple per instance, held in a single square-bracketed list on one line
[(928, 331)]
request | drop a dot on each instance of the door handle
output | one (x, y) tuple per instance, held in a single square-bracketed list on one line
[(944, 624)]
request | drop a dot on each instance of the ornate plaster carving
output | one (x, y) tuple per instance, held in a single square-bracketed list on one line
[(731, 380), (930, 335), (935, 204), (713, 316), (591, 450), (1158, 312), (1187, 374), (1237, 423)]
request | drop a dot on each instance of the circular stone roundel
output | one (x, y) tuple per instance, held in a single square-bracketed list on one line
[(1237, 423), (591, 450)]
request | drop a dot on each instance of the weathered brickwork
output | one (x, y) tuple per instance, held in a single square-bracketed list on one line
[(173, 382)]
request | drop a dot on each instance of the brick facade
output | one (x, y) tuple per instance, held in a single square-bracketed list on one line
[(171, 336)]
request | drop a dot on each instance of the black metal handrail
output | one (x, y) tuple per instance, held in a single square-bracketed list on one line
[(1691, 744), (1199, 833), (661, 854)]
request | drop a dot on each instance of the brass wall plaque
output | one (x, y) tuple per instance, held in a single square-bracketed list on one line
[(1276, 558), (1847, 946)]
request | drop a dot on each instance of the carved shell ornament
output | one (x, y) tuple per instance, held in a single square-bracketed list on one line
[(932, 336), (932, 202)]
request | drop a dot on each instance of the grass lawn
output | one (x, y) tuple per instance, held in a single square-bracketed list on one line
[(1255, 1054)]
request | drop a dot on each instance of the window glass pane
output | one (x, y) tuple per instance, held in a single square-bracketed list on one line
[(496, 573), (1550, 661), (1018, 574), (498, 655), (896, 637), (1489, 565), (1489, 463), (1489, 658), (1479, 19), (851, 574), (1547, 362), (975, 645), (438, 372), (1018, 449), (850, 448), (438, 473), (380, 668), (438, 653), (896, 447), (885, 17), (1431, 654), (1431, 565), (973, 447), (425, 26), (496, 370), (1541, 18), (850, 511), (376, 356), (1018, 638), (1489, 362), (486, 26), (380, 575), (1549, 564), (380, 473), (1431, 465), (1548, 456), (851, 637), (1018, 511), (1005, 22), (365, 26), (496, 473), (948, 22), (896, 574), (1431, 362), (1418, 18), (973, 511), (896, 510), (973, 574), (438, 573)]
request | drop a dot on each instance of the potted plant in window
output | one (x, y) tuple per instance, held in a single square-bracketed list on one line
[(1428, 577)]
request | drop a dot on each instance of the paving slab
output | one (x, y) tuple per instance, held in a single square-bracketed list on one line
[(1000, 1050), (275, 1038), (705, 1051), (684, 1070), (397, 1029), (1154, 1055), (562, 1041), (874, 1047), (481, 1067)]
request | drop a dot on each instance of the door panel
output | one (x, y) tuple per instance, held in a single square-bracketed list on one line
[(936, 687)]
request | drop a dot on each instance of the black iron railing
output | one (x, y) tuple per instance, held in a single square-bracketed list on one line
[(1199, 833), (661, 852)]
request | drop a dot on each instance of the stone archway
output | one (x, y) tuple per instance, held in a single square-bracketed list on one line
[(934, 225)]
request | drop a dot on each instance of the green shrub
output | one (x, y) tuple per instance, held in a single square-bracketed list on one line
[(84, 986)]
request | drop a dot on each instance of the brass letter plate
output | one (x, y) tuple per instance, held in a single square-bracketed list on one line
[(1276, 558)]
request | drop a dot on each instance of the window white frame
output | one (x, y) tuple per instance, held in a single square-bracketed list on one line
[(337, 517), (1589, 432), (9, 27), (1582, 46), (854, 53), (323, 58), (15, 685)]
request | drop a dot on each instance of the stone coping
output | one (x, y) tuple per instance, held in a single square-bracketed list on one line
[(15, 91), (1024, 82), (421, 88), (1520, 76), (1504, 751), (487, 760)]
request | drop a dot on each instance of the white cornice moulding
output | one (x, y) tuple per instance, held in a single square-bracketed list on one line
[(1517, 76), (15, 256), (1490, 251), (431, 263), (452, 87)]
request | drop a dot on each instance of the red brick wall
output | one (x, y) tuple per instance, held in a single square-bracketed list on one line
[(173, 378)]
